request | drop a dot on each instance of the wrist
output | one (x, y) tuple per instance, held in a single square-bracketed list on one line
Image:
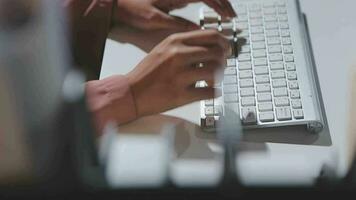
[(111, 99)]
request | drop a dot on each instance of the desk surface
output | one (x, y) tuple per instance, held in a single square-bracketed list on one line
[(332, 27)]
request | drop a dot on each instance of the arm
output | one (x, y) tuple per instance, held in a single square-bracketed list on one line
[(151, 87)]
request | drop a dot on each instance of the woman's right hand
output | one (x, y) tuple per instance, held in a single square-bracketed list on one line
[(166, 78)]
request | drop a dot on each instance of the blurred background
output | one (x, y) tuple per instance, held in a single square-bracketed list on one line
[(48, 142)]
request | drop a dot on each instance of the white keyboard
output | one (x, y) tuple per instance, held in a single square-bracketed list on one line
[(266, 84)]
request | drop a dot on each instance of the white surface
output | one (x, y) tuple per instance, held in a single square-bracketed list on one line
[(332, 27)]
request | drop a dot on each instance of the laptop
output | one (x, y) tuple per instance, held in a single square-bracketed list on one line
[(270, 81)]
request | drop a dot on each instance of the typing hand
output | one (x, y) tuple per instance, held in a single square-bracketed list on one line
[(166, 78), (154, 14), (145, 23)]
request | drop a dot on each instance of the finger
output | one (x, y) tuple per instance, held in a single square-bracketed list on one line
[(227, 6), (206, 38), (197, 94), (216, 6), (177, 23), (194, 55), (209, 73), (221, 8)]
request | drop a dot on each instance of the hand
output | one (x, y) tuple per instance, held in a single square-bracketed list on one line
[(166, 78), (154, 14)]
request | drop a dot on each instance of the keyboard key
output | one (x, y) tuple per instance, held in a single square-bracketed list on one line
[(296, 104), (230, 98), (276, 57), (277, 66), (255, 15), (271, 18), (264, 97), (277, 74), (271, 25), (218, 110), (270, 11), (264, 107), (211, 17), (261, 53), (256, 22), (210, 121), (292, 76), (230, 89), (246, 83), (275, 49), (241, 9), (258, 37), (290, 67), (294, 94), (258, 45), (227, 28), (245, 66), (282, 10), (230, 71), (283, 114), (242, 26), (254, 7), (247, 92), (249, 115), (293, 85), (283, 18), (260, 62), (272, 33), (245, 49), (246, 75), (244, 57), (267, 117), (279, 83), (286, 40), (280, 92), (289, 58), (209, 111), (248, 101), (242, 18), (263, 88), (288, 49), (261, 70), (281, 3), (231, 62), (298, 114), (228, 80), (268, 4), (284, 25), (262, 79), (257, 29), (281, 101), (285, 33), (209, 102), (273, 41)]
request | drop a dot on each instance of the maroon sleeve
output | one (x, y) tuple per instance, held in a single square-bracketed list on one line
[(90, 22)]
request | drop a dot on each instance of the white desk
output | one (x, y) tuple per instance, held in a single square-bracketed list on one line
[(332, 27)]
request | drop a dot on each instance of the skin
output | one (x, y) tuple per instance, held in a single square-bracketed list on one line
[(166, 78), (154, 14)]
